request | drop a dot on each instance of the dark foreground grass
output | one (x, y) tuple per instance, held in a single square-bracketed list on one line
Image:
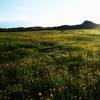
[(50, 65)]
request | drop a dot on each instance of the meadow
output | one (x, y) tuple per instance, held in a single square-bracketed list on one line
[(50, 65)]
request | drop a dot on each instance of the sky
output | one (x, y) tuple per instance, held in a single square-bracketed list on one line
[(28, 13)]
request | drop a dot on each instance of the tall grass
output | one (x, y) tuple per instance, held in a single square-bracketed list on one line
[(50, 65)]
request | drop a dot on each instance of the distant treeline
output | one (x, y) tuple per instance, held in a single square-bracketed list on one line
[(84, 25)]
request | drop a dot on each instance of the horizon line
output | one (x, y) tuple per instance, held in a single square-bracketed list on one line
[(46, 26)]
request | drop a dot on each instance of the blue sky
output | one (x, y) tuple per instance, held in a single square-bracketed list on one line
[(17, 13)]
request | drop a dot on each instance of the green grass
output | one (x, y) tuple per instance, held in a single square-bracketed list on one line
[(50, 65)]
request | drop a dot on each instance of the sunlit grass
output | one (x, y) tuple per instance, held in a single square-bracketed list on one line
[(50, 65)]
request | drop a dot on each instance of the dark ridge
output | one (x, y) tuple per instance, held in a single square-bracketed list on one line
[(89, 24), (84, 25)]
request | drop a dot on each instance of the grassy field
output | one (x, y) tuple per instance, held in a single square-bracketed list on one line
[(50, 65)]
